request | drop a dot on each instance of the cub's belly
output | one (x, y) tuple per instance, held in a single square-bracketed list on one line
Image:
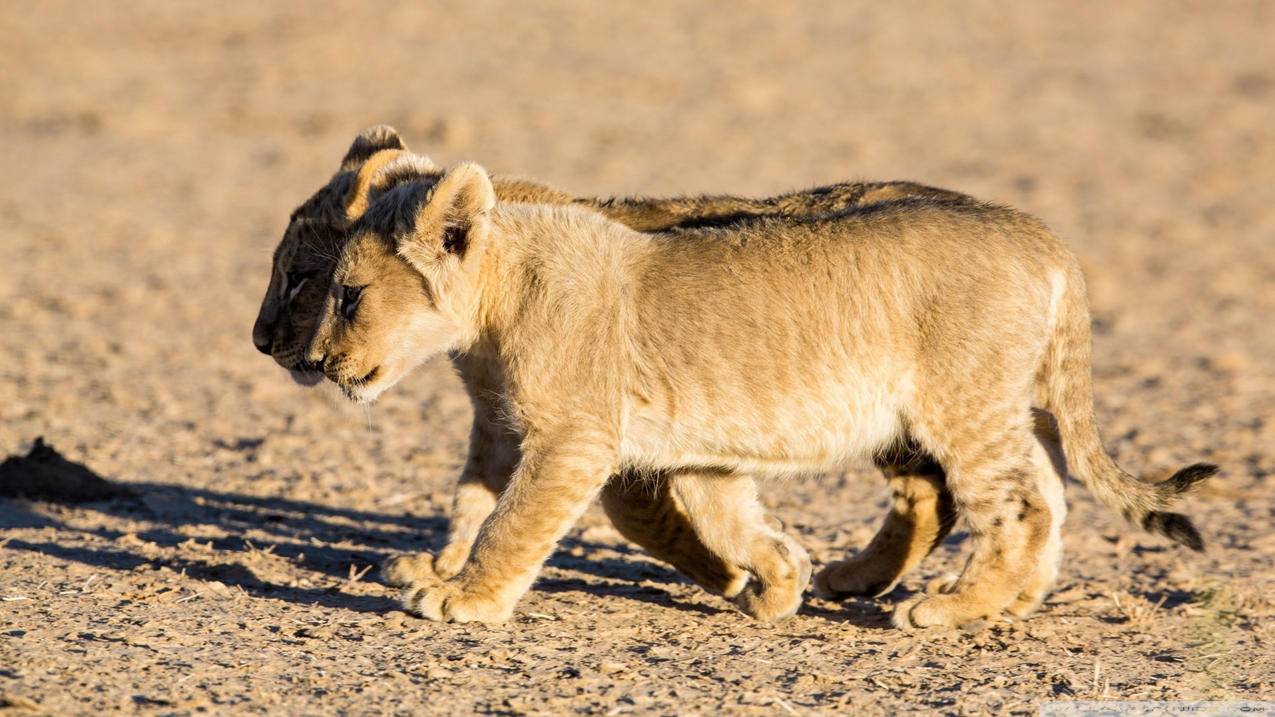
[(815, 433)]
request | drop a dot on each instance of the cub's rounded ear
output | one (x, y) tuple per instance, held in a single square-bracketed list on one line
[(465, 191), (381, 171), (370, 141), (453, 218)]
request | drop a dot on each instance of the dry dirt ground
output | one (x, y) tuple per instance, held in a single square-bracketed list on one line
[(198, 531)]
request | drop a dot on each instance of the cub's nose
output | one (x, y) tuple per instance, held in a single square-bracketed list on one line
[(261, 340)]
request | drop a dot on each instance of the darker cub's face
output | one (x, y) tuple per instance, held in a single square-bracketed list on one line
[(299, 279)]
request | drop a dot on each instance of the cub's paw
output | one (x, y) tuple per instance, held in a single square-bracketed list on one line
[(864, 574), (451, 559), (1031, 598), (777, 595), (410, 569), (944, 583), (1037, 588), (448, 601), (943, 610), (1024, 605), (728, 584)]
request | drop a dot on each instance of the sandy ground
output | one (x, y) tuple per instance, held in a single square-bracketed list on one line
[(153, 150)]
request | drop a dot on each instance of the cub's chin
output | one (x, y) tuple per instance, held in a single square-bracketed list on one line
[(362, 394), (368, 388), (306, 378)]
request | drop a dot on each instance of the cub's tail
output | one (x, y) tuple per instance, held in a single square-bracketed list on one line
[(1068, 393)]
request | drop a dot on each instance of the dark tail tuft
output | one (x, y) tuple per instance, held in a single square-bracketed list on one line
[(1183, 480), (1175, 526)]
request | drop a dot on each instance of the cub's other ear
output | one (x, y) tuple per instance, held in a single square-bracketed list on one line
[(370, 141), (452, 221), (383, 170)]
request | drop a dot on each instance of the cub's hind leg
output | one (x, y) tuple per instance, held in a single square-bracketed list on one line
[(1051, 470), (1051, 473), (646, 510), (731, 523), (921, 515), (994, 484)]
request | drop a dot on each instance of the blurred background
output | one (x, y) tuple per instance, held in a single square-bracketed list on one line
[(153, 152)]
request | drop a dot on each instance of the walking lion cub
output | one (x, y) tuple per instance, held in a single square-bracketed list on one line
[(919, 329), (647, 508)]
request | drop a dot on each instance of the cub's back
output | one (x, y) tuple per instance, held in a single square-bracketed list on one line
[(792, 296)]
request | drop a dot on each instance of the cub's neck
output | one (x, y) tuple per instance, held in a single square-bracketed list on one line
[(542, 263)]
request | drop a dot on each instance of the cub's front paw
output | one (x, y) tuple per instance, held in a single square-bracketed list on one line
[(776, 593), (448, 601), (401, 571), (451, 559)]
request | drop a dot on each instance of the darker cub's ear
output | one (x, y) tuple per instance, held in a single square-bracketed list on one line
[(383, 170), (370, 141)]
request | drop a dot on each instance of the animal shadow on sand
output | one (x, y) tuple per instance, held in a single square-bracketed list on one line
[(321, 538)]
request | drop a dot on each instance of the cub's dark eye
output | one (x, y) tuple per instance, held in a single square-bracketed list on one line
[(350, 296), (293, 282)]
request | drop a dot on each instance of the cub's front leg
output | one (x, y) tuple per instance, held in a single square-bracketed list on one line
[(557, 478), (493, 456)]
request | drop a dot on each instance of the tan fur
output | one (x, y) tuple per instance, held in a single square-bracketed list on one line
[(770, 346), (649, 516)]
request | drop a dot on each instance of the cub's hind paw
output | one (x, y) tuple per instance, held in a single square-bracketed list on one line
[(1032, 596), (400, 571), (860, 575), (945, 610), (942, 584), (1024, 605)]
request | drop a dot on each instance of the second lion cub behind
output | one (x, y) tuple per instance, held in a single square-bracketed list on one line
[(770, 347)]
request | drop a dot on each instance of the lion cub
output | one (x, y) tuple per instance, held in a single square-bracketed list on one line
[(648, 508), (771, 347)]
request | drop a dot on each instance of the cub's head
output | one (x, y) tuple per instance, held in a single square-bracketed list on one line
[(306, 256), (405, 287)]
